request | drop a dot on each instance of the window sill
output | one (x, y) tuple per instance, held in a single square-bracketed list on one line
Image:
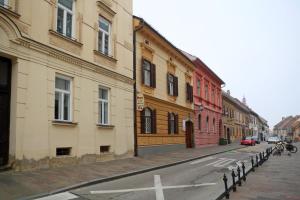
[(111, 58), (8, 10), (64, 123), (109, 126), (74, 41)]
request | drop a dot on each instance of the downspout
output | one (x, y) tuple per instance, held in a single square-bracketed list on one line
[(135, 30)]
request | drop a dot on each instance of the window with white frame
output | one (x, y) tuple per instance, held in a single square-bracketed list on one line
[(103, 106), (104, 36), (62, 110), (147, 72), (171, 84), (198, 87), (65, 17)]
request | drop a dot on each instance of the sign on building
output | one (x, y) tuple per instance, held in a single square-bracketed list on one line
[(140, 102)]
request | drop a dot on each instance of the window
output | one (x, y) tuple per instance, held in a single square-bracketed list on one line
[(172, 82), (104, 149), (172, 123), (214, 124), (103, 106), (148, 121), (189, 93), (65, 17), (206, 92), (64, 151), (62, 99), (148, 73), (104, 36), (207, 124), (198, 87), (199, 122), (213, 96), (4, 3)]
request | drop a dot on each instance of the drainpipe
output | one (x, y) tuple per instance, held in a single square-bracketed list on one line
[(135, 30)]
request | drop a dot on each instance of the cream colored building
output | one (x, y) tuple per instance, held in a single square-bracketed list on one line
[(70, 98)]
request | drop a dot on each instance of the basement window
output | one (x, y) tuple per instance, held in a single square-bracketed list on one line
[(104, 149), (64, 151)]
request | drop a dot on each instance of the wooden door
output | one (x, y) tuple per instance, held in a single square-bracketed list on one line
[(5, 74), (189, 134)]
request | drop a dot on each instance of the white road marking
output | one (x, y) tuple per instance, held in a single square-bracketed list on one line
[(158, 188), (202, 160), (223, 164), (60, 196), (215, 162)]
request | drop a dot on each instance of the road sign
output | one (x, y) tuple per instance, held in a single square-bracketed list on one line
[(140, 102)]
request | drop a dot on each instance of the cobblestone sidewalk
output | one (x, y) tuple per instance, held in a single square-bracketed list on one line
[(277, 179), (21, 185)]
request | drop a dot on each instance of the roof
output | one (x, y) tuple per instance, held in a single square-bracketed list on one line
[(287, 122), (235, 101), (196, 59), (162, 37)]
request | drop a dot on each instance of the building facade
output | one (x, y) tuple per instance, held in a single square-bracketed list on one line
[(66, 82), (207, 103), (164, 80), (286, 127)]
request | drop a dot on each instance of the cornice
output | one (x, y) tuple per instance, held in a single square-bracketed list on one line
[(55, 53)]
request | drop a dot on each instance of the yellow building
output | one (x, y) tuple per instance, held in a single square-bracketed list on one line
[(66, 84), (164, 81)]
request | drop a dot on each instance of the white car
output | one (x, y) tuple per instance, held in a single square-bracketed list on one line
[(272, 140)]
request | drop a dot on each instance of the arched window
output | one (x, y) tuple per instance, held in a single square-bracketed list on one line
[(199, 122), (148, 121), (172, 123), (207, 124)]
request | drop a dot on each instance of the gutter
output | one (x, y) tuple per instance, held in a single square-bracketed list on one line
[(135, 30)]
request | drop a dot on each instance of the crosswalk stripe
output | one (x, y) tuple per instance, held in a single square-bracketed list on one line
[(224, 163), (202, 160), (59, 196)]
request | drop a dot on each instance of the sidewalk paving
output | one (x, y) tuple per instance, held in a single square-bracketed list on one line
[(277, 179), (26, 185)]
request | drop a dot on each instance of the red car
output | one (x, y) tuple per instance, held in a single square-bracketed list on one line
[(248, 141)]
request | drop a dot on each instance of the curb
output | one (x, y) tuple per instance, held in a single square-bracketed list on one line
[(111, 178)]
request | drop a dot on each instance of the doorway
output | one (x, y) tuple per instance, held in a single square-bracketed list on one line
[(5, 79), (189, 134), (228, 135)]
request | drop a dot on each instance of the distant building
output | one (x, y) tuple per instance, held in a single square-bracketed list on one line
[(287, 126)]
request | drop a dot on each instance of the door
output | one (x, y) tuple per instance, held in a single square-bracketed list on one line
[(189, 134), (5, 74), (228, 136)]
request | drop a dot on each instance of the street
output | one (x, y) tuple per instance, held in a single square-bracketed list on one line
[(199, 179)]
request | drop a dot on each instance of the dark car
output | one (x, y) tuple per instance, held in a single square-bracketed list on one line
[(256, 139)]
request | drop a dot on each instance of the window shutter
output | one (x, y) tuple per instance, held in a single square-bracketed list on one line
[(191, 93), (187, 92), (143, 121), (175, 86), (153, 75), (169, 123), (168, 85), (176, 123), (153, 120), (143, 69)]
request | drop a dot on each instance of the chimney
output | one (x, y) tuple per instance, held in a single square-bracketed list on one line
[(244, 100), (228, 92)]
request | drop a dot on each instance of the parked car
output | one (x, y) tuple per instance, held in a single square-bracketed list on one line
[(248, 141), (273, 140), (256, 139)]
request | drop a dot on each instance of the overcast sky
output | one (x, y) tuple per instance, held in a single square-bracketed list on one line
[(253, 45)]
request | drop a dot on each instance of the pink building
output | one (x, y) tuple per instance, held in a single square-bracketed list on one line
[(208, 104)]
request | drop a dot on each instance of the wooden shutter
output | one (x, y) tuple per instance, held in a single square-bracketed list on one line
[(168, 85), (169, 123), (176, 123), (175, 86), (143, 121), (142, 70), (191, 93), (153, 76), (153, 121), (187, 92)]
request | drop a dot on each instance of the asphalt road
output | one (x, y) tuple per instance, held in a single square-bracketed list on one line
[(199, 179)]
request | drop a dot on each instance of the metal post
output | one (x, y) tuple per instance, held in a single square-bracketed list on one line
[(260, 159), (239, 175), (256, 160), (244, 174), (226, 187), (252, 163), (233, 181), (263, 155)]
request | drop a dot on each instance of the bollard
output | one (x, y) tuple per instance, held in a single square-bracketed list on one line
[(252, 163), (256, 160), (260, 159), (233, 181), (239, 175), (263, 155), (226, 187), (244, 174)]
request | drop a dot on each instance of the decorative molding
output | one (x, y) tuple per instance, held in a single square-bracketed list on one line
[(74, 41), (105, 6), (105, 126), (9, 12), (63, 123), (110, 58)]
